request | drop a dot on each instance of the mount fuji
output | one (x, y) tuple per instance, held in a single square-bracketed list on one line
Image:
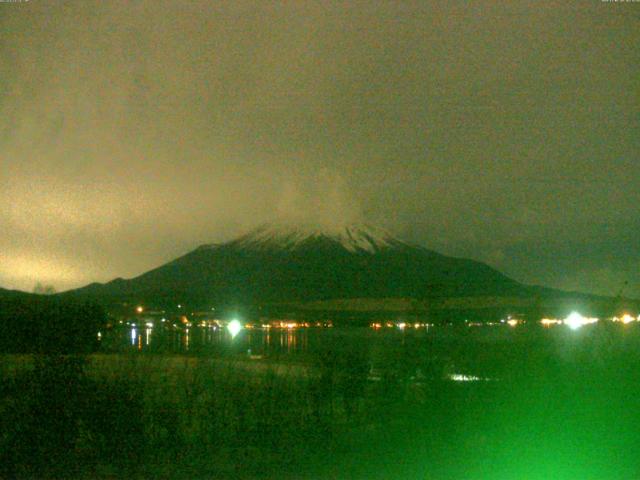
[(356, 267)]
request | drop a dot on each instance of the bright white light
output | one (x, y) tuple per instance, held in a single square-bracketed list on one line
[(234, 328), (139, 309), (575, 321), (134, 335), (149, 324)]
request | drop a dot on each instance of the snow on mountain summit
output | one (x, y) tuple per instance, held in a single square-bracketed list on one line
[(354, 238)]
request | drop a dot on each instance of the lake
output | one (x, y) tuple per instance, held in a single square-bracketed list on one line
[(457, 352)]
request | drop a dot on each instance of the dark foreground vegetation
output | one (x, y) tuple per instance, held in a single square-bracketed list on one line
[(561, 405), (49, 325)]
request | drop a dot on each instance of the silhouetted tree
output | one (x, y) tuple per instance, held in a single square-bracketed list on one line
[(41, 289)]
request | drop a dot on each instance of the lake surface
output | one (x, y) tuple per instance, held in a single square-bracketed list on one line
[(456, 352)]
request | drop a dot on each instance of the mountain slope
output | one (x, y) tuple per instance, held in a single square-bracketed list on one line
[(284, 264), (4, 293)]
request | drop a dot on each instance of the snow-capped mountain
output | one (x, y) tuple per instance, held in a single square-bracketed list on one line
[(283, 264), (353, 238)]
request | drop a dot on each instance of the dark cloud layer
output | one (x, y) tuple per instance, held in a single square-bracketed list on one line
[(508, 132)]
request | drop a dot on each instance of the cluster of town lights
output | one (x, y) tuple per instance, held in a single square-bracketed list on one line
[(626, 318), (400, 325), (574, 321), (234, 326)]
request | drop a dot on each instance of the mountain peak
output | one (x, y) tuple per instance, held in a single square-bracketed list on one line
[(354, 237)]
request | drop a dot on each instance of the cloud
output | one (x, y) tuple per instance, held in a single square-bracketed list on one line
[(132, 132), (325, 200)]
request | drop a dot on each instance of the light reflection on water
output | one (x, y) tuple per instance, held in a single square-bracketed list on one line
[(266, 341), (408, 353), (207, 339), (256, 343), (316, 344), (460, 355)]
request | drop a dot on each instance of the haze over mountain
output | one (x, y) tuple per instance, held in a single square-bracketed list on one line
[(356, 267)]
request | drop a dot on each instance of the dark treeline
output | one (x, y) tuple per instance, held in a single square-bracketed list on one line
[(49, 325)]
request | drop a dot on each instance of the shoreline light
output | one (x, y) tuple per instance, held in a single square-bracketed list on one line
[(460, 377), (234, 328), (547, 322), (626, 318), (575, 321)]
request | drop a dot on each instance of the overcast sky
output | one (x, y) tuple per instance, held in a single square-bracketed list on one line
[(507, 132)]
